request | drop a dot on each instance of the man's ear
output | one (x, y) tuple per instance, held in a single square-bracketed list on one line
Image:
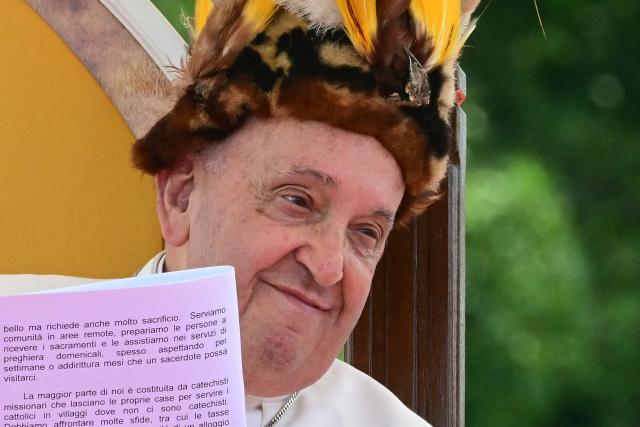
[(174, 187)]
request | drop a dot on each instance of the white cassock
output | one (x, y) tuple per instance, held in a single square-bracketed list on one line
[(342, 397)]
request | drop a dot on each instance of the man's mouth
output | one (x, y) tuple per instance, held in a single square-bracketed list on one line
[(302, 297)]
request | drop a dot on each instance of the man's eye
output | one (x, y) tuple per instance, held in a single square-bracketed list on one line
[(369, 232), (368, 240), (297, 200)]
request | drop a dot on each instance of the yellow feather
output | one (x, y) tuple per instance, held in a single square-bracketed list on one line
[(258, 13), (361, 24), (440, 22), (202, 12)]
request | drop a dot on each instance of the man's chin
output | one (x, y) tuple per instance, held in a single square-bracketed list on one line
[(278, 368)]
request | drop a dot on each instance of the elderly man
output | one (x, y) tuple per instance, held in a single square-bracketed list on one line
[(304, 132)]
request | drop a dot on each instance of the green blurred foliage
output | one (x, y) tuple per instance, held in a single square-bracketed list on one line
[(179, 13), (553, 216)]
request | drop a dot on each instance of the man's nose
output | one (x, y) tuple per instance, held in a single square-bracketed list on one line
[(323, 255)]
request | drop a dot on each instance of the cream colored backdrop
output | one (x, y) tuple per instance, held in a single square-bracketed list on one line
[(70, 203)]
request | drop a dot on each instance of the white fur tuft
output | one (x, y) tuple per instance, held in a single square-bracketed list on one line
[(323, 15)]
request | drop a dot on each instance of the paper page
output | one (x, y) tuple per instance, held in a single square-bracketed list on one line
[(172, 278), (165, 352)]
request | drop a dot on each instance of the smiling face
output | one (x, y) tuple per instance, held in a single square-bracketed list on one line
[(302, 211)]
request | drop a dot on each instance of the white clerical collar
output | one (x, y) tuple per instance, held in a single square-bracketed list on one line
[(260, 410), (154, 266)]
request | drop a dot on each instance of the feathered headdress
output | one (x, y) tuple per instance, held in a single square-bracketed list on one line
[(383, 68)]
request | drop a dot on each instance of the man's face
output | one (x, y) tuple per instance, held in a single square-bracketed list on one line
[(302, 211)]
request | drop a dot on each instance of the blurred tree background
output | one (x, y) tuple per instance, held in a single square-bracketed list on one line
[(553, 215)]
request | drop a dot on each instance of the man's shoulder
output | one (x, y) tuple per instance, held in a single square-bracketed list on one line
[(346, 396)]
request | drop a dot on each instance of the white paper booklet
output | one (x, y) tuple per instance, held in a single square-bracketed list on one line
[(158, 350)]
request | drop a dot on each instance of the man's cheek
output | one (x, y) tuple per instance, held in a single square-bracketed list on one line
[(244, 295), (354, 300)]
